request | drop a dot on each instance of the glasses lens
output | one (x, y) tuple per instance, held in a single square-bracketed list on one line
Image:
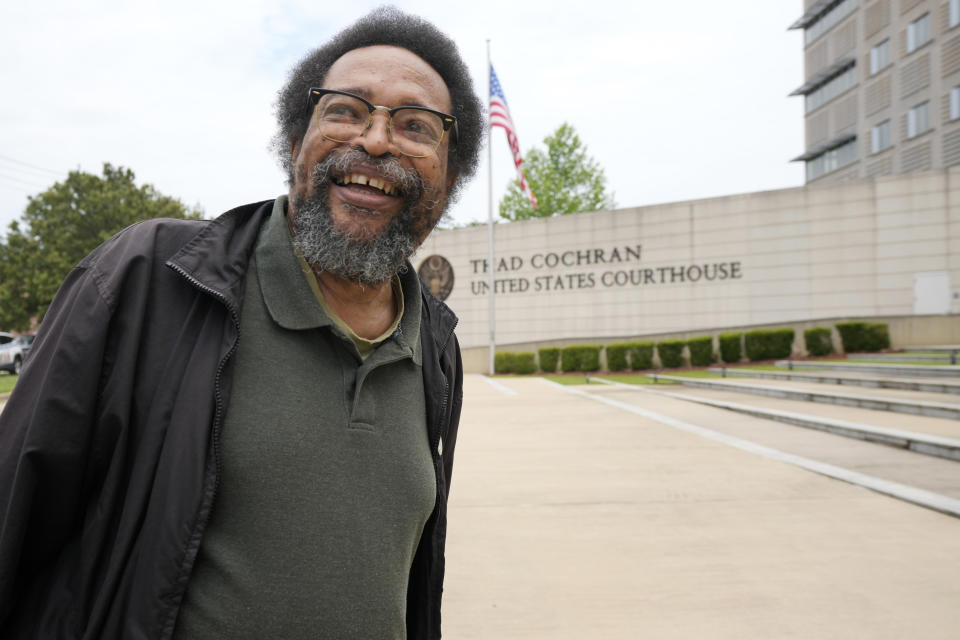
[(416, 131), (341, 117)]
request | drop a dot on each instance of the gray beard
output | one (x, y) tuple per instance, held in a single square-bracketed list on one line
[(366, 261)]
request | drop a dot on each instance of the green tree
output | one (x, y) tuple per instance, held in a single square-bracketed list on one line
[(563, 178), (62, 225)]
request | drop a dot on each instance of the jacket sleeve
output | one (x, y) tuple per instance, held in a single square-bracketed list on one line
[(456, 402), (49, 437)]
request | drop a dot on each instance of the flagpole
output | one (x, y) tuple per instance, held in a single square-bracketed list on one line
[(490, 265)]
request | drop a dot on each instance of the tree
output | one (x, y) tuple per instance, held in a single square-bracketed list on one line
[(563, 178), (62, 225)]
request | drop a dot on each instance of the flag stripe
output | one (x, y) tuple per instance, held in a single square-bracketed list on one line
[(500, 117)]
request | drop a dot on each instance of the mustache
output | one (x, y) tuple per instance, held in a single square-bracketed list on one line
[(388, 167)]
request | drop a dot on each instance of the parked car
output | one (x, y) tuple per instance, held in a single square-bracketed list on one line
[(13, 352)]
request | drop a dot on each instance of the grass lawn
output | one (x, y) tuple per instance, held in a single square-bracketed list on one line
[(7, 381)]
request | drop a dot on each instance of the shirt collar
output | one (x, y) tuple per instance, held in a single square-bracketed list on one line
[(291, 300)]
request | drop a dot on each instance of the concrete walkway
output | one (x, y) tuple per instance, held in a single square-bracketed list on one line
[(571, 518)]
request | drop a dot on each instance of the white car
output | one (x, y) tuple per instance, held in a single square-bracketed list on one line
[(13, 351)]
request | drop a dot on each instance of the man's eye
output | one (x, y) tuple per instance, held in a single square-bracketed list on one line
[(418, 125), (342, 111)]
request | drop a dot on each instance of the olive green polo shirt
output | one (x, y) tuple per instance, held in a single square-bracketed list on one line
[(326, 476)]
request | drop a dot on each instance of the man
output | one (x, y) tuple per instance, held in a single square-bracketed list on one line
[(244, 428)]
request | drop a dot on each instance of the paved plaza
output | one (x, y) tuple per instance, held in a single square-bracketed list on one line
[(574, 516), (668, 511)]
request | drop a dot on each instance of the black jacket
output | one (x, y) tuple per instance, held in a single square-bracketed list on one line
[(108, 445)]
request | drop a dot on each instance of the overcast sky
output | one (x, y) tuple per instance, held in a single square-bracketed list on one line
[(676, 101)]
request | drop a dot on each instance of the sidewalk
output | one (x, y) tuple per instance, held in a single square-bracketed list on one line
[(574, 519)]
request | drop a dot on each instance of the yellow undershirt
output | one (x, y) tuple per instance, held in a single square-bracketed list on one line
[(364, 347)]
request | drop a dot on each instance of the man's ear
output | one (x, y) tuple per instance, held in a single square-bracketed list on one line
[(294, 150), (452, 179)]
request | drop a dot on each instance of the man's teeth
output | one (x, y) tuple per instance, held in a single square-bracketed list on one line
[(376, 183)]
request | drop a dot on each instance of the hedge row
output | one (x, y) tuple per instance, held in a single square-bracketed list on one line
[(507, 362), (730, 347), (582, 357), (864, 336), (818, 341), (701, 351), (767, 344), (630, 356), (759, 344)]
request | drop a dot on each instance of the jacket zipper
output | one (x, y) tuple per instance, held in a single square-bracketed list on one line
[(218, 416)]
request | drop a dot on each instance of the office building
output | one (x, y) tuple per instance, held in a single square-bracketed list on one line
[(881, 89)]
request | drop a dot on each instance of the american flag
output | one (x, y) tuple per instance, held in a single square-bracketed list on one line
[(500, 117)]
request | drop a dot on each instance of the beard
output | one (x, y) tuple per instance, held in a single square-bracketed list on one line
[(366, 260)]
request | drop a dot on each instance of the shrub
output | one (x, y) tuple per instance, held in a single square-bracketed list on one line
[(701, 351), (730, 347), (640, 355), (818, 341), (671, 353), (580, 357), (617, 356), (767, 344), (523, 362), (878, 336), (864, 336), (503, 361), (549, 357)]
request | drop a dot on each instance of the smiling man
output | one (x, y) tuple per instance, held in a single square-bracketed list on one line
[(244, 428)]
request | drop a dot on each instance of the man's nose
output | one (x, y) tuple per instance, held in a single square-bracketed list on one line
[(376, 138)]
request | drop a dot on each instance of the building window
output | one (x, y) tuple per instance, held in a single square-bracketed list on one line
[(880, 137), (955, 103), (832, 160), (918, 33), (918, 120), (954, 13), (828, 18), (831, 89), (880, 56)]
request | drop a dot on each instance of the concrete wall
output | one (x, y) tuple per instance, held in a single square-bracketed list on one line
[(786, 256)]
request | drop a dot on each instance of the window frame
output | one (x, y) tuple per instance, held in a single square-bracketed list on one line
[(832, 160), (914, 121), (880, 138), (913, 36), (875, 66)]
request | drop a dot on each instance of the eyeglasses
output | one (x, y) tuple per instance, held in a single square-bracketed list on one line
[(416, 131)]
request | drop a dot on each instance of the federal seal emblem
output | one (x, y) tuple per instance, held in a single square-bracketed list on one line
[(437, 273)]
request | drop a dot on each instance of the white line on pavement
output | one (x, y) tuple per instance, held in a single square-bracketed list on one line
[(914, 495), (502, 388)]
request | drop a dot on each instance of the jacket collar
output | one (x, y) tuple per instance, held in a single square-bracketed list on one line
[(216, 259), (437, 320)]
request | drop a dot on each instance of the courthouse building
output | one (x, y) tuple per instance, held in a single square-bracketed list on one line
[(886, 248)]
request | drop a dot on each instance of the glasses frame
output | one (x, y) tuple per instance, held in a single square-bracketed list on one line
[(449, 122)]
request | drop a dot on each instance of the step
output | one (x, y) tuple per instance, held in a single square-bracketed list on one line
[(938, 446), (876, 367), (873, 382), (904, 357), (948, 348), (898, 405)]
